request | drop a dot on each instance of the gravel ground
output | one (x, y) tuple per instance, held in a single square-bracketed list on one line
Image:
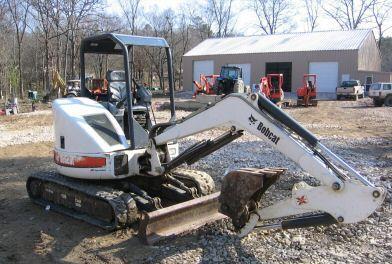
[(26, 128), (365, 142)]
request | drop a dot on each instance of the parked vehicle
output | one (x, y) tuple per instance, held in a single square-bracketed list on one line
[(350, 89), (381, 94)]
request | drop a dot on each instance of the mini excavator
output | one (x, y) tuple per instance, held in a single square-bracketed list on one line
[(271, 87), (116, 166)]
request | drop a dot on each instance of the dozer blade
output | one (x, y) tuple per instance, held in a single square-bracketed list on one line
[(173, 220)]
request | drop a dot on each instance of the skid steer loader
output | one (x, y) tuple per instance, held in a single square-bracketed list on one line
[(115, 166)]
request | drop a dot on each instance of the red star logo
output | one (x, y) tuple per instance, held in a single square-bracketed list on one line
[(301, 200)]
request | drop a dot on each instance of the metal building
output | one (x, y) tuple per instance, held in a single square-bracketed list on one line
[(332, 55)]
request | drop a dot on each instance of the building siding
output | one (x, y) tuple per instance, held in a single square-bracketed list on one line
[(358, 63), (300, 63), (369, 57)]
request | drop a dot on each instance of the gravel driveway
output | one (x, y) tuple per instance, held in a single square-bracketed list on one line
[(359, 133)]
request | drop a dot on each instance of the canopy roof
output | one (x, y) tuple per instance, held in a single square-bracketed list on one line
[(112, 43)]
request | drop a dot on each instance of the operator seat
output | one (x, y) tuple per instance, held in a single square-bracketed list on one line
[(118, 92), (116, 85)]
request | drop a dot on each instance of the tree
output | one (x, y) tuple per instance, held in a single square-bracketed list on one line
[(273, 15), (201, 19), (386, 54), (381, 11), (349, 14), (312, 12), (131, 12), (19, 10), (222, 16), (4, 49), (75, 12), (185, 32), (43, 15)]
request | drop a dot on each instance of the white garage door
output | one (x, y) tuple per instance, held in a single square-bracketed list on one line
[(327, 75), (205, 67), (245, 72)]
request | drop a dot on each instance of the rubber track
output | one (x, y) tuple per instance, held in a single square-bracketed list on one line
[(122, 204), (204, 182)]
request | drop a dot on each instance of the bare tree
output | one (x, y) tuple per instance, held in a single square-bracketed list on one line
[(75, 12), (19, 10), (222, 16), (349, 14), (131, 12), (43, 15), (4, 32), (201, 19), (185, 36), (312, 12), (381, 11), (272, 15), (157, 27)]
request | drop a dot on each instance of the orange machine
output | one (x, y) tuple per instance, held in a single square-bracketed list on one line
[(271, 87), (306, 95), (205, 85), (99, 86)]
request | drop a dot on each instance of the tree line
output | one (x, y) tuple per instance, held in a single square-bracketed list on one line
[(40, 37)]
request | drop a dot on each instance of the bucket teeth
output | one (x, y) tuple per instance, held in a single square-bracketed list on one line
[(242, 190)]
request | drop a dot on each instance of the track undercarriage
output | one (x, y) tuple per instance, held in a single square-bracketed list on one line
[(116, 204)]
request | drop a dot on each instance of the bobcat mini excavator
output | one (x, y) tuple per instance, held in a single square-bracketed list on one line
[(113, 169)]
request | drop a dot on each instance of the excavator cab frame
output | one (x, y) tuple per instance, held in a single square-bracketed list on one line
[(271, 86), (306, 95), (119, 44), (310, 80)]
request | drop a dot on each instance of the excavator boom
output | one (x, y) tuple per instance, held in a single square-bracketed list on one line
[(343, 196)]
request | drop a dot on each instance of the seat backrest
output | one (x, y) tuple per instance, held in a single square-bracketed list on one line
[(117, 85), (117, 90)]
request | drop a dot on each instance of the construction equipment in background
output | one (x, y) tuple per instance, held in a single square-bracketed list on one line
[(110, 167), (206, 84), (61, 89), (58, 88), (306, 95), (98, 88), (228, 81), (72, 88), (271, 87)]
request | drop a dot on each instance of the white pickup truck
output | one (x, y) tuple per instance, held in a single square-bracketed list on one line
[(381, 94), (350, 89)]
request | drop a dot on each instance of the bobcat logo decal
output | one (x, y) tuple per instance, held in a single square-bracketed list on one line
[(264, 130)]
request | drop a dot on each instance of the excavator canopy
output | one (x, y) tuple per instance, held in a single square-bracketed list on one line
[(112, 43), (120, 44)]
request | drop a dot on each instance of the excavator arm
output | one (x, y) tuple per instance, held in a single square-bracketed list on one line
[(343, 196)]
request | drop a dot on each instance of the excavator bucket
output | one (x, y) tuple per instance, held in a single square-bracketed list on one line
[(242, 190), (176, 219)]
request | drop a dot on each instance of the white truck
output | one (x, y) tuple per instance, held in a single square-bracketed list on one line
[(381, 94), (350, 89)]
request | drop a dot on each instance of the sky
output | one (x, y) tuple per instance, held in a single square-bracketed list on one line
[(246, 20)]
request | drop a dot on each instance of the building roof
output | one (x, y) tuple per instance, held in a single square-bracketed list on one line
[(309, 41)]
